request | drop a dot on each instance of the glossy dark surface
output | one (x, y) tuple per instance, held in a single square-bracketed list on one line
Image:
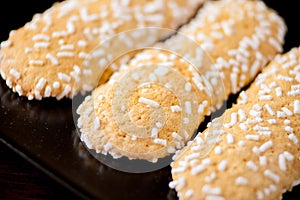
[(43, 132)]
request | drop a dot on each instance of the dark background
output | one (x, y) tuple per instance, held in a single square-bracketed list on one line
[(19, 179)]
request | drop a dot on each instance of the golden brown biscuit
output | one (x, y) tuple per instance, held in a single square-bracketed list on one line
[(256, 154), (233, 34), (46, 57)]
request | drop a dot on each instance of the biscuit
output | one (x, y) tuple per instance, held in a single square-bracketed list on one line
[(232, 33), (45, 58), (256, 154), (152, 120)]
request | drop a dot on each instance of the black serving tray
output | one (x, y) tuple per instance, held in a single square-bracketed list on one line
[(43, 132)]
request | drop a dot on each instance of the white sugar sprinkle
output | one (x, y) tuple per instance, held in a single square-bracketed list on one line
[(5, 44), (52, 59), (82, 43), (176, 136), (243, 126), (288, 156), (178, 170), (274, 177), (294, 92), (251, 165), (188, 107), (64, 77), (296, 107), (222, 165), (134, 138), (123, 108), (30, 97), (15, 73), (149, 102), (154, 133), (186, 135), (36, 62), (213, 197), (269, 109), (233, 120), (284, 78), (242, 115), (278, 91), (87, 72), (275, 44), (254, 113), (241, 143), (241, 181), (255, 150), (263, 160), (206, 161), (273, 188), (280, 114), (160, 141), (192, 156), (158, 124), (244, 98), (64, 54), (272, 121), (265, 98), (135, 76), (40, 45), (259, 195), (107, 147), (83, 54), (41, 83), (218, 150), (198, 84), (229, 138), (273, 84), (40, 37), (287, 111), (198, 169), (171, 150), (188, 87), (168, 85), (19, 90), (175, 108), (264, 147), (189, 193), (210, 177), (202, 106), (252, 137), (295, 87), (211, 190), (56, 85), (281, 162), (186, 120), (67, 47), (293, 138), (47, 91), (161, 71), (28, 50), (88, 112), (172, 184), (96, 123), (288, 129)]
